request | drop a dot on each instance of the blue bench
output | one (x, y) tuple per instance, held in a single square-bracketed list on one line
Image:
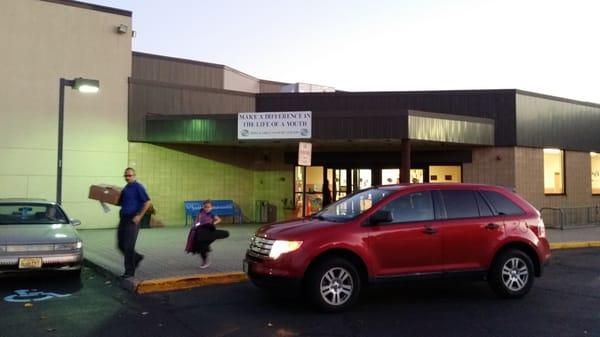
[(220, 207)]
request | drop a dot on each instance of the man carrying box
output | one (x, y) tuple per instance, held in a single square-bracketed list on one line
[(134, 202)]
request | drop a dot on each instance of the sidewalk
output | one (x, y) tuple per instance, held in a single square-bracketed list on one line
[(168, 267)]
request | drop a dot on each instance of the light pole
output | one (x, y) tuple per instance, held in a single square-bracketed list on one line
[(82, 85)]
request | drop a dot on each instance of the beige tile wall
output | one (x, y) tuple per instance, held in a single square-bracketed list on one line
[(578, 188), (491, 165), (42, 42), (522, 168)]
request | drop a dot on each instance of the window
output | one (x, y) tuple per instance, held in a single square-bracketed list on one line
[(413, 207), (554, 171), (444, 174), (12, 214), (595, 172), (460, 204), (502, 204), (390, 176)]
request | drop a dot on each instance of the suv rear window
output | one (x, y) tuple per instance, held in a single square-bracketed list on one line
[(502, 205)]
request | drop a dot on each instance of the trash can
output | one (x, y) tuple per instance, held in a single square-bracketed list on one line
[(261, 211), (271, 213)]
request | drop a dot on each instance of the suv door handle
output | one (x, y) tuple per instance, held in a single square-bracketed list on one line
[(429, 230), (492, 226)]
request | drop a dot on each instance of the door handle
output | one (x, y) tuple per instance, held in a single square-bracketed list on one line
[(492, 226), (429, 230)]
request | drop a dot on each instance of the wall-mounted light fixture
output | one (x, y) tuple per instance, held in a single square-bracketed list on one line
[(122, 29)]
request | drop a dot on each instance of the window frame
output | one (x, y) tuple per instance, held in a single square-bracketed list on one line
[(564, 175), (592, 171)]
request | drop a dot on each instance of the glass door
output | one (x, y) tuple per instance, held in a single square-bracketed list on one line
[(341, 184), (361, 179)]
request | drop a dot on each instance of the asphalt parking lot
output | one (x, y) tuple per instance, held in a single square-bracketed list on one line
[(564, 302)]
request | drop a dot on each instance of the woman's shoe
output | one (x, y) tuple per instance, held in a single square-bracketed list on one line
[(205, 264)]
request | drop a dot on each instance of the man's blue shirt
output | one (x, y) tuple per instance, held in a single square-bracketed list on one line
[(133, 198)]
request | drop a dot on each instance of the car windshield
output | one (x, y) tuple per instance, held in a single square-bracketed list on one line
[(353, 205), (30, 214)]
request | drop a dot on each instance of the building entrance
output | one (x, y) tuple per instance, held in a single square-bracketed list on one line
[(311, 184)]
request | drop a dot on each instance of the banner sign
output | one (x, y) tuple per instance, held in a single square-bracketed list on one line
[(304, 153), (275, 125)]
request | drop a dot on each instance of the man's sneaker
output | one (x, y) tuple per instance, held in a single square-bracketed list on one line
[(126, 275), (205, 264)]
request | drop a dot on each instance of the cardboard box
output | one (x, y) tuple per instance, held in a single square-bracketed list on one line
[(105, 193)]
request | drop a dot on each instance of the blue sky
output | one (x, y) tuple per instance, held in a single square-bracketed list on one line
[(548, 46)]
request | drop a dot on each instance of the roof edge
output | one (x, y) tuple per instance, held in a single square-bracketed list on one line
[(556, 98), (90, 6), (177, 59)]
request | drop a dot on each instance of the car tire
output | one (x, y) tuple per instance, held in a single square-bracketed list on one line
[(511, 275), (334, 285)]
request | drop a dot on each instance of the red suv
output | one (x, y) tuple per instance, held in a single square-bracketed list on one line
[(399, 232)]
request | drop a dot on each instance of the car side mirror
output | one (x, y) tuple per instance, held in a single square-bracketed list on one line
[(380, 216), (75, 222)]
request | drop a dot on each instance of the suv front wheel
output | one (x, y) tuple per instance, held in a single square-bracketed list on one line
[(511, 275), (334, 284)]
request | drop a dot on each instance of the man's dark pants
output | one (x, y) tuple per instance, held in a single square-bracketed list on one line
[(126, 238)]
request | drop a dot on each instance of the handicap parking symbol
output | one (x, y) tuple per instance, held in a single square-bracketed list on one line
[(32, 295)]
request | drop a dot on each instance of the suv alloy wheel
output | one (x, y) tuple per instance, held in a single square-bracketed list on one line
[(334, 284), (512, 274)]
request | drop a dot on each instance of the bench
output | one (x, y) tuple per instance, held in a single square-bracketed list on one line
[(220, 208)]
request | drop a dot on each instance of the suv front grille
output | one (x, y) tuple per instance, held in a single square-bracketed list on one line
[(260, 247)]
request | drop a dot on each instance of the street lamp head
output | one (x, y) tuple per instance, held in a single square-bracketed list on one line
[(86, 85)]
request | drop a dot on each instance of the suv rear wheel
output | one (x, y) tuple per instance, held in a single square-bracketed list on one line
[(512, 274), (334, 284)]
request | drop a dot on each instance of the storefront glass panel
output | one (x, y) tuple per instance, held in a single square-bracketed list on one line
[(553, 171), (390, 176), (341, 184), (444, 174), (595, 158), (361, 179), (313, 192), (416, 176)]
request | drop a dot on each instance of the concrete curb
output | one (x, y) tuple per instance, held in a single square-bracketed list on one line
[(169, 283), (574, 245), (127, 284), (187, 282)]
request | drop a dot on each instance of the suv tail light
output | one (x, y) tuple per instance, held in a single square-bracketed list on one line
[(540, 229)]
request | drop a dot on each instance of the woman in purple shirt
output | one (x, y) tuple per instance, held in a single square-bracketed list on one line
[(203, 233)]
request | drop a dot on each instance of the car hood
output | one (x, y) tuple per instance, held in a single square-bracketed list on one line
[(36, 234), (292, 229)]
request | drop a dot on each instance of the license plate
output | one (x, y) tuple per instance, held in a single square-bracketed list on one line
[(30, 263), (245, 266)]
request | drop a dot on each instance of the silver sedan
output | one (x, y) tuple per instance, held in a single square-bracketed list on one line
[(37, 235)]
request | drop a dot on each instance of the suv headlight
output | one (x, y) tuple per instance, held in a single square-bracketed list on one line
[(68, 246), (282, 247)]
